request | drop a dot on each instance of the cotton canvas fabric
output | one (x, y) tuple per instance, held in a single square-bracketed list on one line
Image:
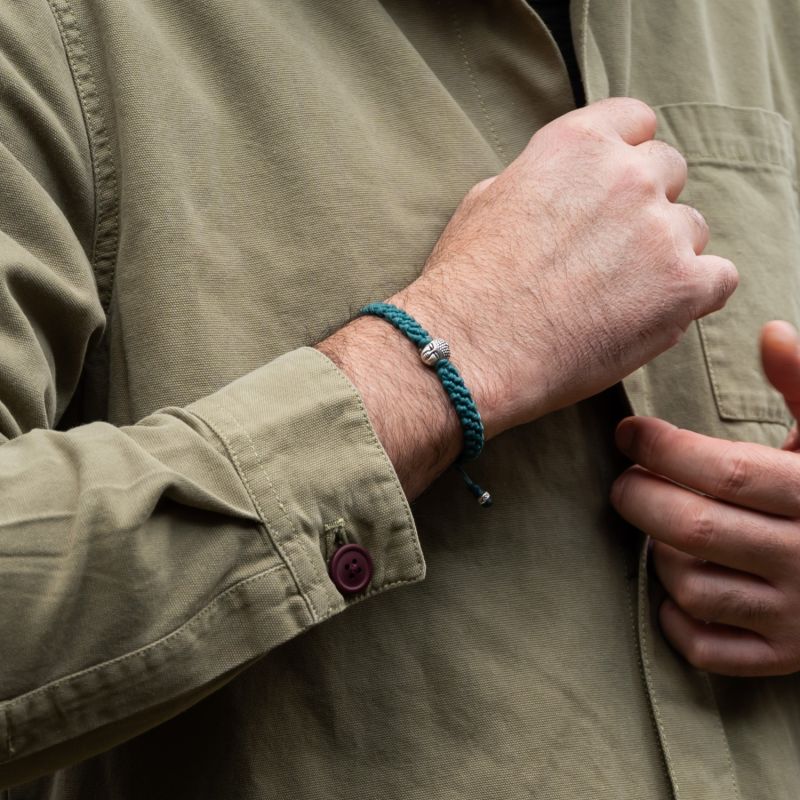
[(191, 196)]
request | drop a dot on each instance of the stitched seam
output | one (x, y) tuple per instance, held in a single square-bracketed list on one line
[(765, 111), (585, 45), (474, 82), (711, 373), (142, 651), (699, 159), (105, 237), (335, 534), (643, 623), (724, 411), (385, 458), (242, 474), (632, 620), (721, 727), (366, 595), (301, 540)]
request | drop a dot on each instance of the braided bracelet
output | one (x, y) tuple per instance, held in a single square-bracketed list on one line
[(435, 353)]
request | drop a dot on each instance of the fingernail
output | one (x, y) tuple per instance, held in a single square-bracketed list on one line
[(626, 433)]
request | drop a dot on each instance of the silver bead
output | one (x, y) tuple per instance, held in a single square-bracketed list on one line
[(434, 351)]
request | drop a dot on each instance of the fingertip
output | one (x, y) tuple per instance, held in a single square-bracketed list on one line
[(668, 607), (780, 331), (792, 441), (625, 433), (629, 429), (672, 620), (780, 357)]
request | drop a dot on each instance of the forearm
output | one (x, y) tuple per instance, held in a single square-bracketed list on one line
[(407, 405), (409, 408)]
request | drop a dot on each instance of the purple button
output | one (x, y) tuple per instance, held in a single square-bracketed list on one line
[(350, 568)]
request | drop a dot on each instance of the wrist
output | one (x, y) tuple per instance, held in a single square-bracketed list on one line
[(483, 362), (405, 402)]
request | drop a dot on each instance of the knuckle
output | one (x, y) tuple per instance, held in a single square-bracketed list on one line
[(776, 550), (681, 269), (687, 594), (478, 189), (740, 605), (735, 474), (699, 528), (483, 185), (727, 280), (700, 653), (678, 158), (674, 335), (633, 106), (658, 223), (668, 154), (637, 176), (656, 238), (714, 286), (785, 604), (578, 127), (782, 660), (643, 110), (697, 219), (650, 445)]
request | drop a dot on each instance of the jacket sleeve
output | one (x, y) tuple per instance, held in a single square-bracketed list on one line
[(143, 566)]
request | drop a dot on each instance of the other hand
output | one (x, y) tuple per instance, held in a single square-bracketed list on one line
[(724, 518)]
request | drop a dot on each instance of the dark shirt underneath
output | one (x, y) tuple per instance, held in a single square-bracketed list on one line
[(555, 14)]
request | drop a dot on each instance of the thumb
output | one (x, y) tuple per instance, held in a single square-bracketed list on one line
[(780, 357)]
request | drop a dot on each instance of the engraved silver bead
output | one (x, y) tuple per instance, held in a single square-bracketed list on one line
[(434, 351)]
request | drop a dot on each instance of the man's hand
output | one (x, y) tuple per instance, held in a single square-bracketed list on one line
[(724, 518), (572, 267)]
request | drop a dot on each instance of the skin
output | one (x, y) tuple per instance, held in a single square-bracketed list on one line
[(552, 281), (724, 522)]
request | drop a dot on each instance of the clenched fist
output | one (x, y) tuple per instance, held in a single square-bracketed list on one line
[(572, 267)]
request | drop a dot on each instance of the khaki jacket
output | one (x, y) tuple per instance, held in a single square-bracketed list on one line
[(192, 194)]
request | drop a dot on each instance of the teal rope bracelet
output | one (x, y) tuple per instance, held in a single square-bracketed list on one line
[(436, 353)]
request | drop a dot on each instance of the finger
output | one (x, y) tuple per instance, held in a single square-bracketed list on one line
[(704, 527), (717, 280), (792, 441), (712, 593), (669, 164), (748, 474), (780, 357), (692, 226), (480, 187), (721, 649), (630, 119)]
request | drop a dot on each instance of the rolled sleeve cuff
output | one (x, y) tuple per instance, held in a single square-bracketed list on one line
[(299, 436)]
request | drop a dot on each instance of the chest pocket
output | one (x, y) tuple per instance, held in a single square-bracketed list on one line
[(742, 178)]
